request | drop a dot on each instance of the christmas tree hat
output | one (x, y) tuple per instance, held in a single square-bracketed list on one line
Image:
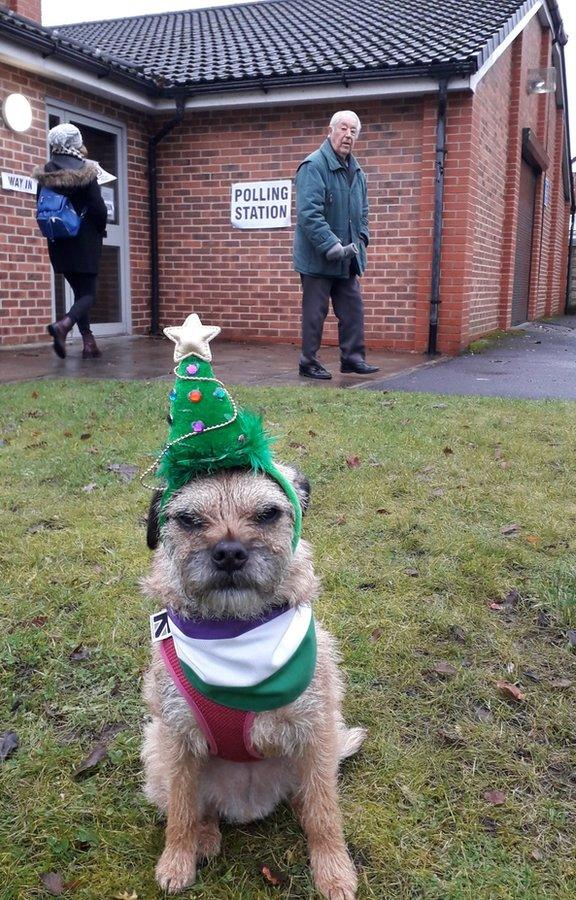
[(208, 432)]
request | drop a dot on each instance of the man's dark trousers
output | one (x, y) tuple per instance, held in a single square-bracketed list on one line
[(348, 309)]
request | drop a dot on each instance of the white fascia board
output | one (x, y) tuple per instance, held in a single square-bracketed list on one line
[(365, 90), (503, 45), (57, 70)]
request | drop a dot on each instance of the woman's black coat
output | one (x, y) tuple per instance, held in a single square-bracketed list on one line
[(80, 254)]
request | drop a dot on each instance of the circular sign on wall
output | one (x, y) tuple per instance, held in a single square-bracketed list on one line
[(17, 112)]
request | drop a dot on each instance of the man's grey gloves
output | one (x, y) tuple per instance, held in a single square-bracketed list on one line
[(340, 252)]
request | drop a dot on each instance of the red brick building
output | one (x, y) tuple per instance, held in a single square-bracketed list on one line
[(467, 162)]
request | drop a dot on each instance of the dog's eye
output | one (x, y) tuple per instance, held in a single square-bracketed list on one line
[(188, 522), (268, 515)]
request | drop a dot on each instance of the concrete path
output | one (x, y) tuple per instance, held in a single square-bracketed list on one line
[(130, 358), (536, 361)]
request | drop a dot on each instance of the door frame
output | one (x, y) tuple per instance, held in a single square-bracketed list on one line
[(58, 108)]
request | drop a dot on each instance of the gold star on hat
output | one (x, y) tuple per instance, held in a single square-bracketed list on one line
[(192, 338)]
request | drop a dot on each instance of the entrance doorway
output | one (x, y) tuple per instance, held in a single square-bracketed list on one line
[(106, 144), (524, 233)]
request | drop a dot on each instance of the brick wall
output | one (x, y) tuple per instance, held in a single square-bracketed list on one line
[(25, 286), (31, 9), (484, 138), (244, 279)]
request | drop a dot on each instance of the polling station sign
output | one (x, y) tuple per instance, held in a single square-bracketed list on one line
[(261, 204)]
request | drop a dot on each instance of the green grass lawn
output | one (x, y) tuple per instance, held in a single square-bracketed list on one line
[(443, 529)]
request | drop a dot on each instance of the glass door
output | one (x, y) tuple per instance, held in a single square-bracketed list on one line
[(105, 144)]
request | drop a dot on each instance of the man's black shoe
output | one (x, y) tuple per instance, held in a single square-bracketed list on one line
[(358, 368), (314, 370)]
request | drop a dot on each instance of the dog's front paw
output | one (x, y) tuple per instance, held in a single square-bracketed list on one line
[(335, 877), (176, 870)]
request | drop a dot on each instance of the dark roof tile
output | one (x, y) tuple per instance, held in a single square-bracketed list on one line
[(280, 39)]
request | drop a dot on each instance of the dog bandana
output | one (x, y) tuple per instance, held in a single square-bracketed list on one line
[(228, 670)]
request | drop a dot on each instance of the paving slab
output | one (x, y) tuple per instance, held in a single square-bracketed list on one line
[(537, 361), (150, 358)]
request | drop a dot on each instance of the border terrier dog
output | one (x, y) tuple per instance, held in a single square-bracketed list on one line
[(226, 557)]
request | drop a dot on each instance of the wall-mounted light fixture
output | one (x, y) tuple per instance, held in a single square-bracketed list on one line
[(17, 112), (542, 80)]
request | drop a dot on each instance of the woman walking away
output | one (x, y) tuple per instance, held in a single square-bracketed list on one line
[(78, 258)]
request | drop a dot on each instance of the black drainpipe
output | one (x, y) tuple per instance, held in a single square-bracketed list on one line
[(568, 300), (153, 207), (438, 221)]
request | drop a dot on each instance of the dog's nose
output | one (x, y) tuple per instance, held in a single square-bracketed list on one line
[(229, 555)]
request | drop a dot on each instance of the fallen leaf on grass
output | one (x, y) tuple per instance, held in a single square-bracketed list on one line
[(447, 451), (533, 539), (571, 636), (34, 395), (67, 433), (561, 684), (414, 573), (383, 512), (537, 854), (85, 436), (496, 607), (124, 895), (9, 743), (271, 876), (87, 766), (510, 530), (80, 653), (376, 635), (124, 471), (445, 669), (88, 488), (510, 691), (340, 520), (495, 798), (532, 676), (53, 883), (353, 462)]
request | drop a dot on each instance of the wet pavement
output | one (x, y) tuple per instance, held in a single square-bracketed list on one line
[(535, 361), (150, 358)]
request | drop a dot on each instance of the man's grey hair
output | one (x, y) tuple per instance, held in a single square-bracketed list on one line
[(340, 115)]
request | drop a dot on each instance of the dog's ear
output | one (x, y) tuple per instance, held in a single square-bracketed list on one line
[(153, 521), (300, 483)]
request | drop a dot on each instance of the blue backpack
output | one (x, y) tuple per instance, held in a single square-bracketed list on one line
[(56, 216)]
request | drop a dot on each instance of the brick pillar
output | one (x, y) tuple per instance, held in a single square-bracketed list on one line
[(30, 9), (514, 160)]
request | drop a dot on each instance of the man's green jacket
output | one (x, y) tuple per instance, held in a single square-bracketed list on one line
[(331, 207)]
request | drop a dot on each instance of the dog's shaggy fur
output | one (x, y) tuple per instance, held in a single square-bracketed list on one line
[(302, 743)]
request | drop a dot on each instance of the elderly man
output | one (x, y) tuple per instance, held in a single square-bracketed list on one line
[(330, 247)]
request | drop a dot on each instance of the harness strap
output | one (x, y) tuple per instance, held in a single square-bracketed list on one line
[(228, 731)]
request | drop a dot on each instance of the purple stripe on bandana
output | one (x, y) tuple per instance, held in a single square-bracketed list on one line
[(216, 629)]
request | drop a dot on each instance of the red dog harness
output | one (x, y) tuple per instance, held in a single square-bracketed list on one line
[(227, 730)]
